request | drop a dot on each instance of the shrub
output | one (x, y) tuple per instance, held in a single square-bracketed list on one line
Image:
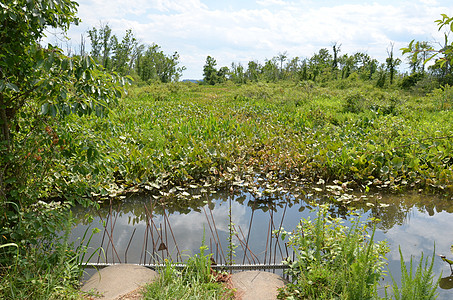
[(334, 260), (355, 102)]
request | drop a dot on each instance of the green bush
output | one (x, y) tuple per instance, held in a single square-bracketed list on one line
[(41, 264), (334, 260)]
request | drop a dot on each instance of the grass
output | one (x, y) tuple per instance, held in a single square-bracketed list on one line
[(48, 269), (194, 281), (416, 285)]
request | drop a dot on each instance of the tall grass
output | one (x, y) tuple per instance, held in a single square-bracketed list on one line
[(335, 261)]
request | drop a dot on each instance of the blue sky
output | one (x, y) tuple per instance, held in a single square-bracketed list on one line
[(241, 30)]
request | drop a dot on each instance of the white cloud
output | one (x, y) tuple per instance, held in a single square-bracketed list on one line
[(271, 2), (256, 32)]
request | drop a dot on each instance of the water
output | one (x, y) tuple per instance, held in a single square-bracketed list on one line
[(413, 222)]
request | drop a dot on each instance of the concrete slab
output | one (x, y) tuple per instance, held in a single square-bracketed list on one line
[(252, 285), (118, 280)]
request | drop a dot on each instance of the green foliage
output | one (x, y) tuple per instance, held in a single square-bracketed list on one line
[(418, 285), (411, 80), (442, 68), (334, 260), (194, 281), (44, 265), (37, 85), (185, 134), (154, 65), (210, 72), (443, 97)]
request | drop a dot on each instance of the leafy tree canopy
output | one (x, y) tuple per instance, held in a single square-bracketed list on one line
[(42, 80)]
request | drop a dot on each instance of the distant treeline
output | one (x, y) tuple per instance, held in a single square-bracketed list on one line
[(148, 63), (127, 56), (331, 65)]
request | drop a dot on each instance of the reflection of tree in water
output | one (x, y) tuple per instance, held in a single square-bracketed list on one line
[(399, 207), (396, 213), (134, 205)]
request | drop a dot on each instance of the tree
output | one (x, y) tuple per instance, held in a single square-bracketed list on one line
[(154, 64), (320, 64), (102, 43), (209, 71), (392, 63), (222, 74), (39, 82), (281, 57), (336, 50), (270, 70), (253, 71), (124, 53), (443, 65), (293, 68), (237, 73)]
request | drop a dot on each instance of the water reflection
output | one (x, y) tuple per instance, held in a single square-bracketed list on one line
[(446, 283), (137, 226)]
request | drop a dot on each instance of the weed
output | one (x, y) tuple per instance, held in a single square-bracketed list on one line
[(334, 260), (194, 281), (419, 285)]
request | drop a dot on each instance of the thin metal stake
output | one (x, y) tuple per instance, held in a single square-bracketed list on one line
[(127, 248)]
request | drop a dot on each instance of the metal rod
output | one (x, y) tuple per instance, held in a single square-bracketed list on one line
[(173, 236), (248, 234), (247, 247), (127, 248), (222, 266), (212, 233), (278, 234), (217, 233), (111, 240), (267, 242), (103, 235), (242, 243)]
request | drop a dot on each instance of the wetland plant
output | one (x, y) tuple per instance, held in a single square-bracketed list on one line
[(333, 260)]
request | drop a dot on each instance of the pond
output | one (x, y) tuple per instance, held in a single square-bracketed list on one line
[(138, 229)]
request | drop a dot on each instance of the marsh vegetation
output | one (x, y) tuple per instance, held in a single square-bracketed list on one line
[(71, 134)]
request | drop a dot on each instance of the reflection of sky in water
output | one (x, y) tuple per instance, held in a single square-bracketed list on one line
[(406, 226), (188, 230), (418, 234)]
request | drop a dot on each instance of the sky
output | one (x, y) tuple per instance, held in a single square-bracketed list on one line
[(241, 30)]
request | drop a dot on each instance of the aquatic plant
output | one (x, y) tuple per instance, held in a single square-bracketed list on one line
[(416, 285), (333, 260)]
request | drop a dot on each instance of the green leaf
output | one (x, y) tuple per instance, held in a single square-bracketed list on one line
[(90, 154), (12, 86), (63, 94), (45, 108), (397, 162)]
